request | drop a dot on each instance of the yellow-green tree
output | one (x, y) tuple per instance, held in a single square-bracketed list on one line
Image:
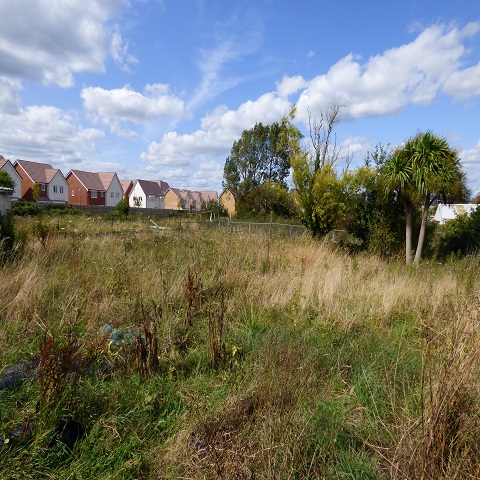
[(319, 188)]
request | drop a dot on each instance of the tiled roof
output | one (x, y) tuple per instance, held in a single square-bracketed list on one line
[(3, 161), (106, 179), (194, 195), (164, 186), (208, 195), (38, 172), (150, 187), (90, 180), (179, 193), (126, 184)]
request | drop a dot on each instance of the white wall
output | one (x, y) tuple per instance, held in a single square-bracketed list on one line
[(61, 195), (17, 191), (115, 188), (135, 193), (5, 202)]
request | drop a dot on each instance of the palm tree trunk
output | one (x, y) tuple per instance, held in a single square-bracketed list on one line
[(423, 227), (408, 231)]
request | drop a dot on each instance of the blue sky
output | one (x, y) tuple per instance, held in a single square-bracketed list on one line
[(160, 89)]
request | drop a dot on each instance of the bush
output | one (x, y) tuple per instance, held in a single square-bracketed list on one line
[(121, 212), (61, 208), (123, 207), (460, 236), (23, 209), (6, 180), (7, 236)]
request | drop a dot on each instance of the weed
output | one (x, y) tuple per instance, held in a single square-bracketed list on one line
[(216, 344), (145, 343)]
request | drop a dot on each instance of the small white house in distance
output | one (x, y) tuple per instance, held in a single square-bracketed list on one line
[(447, 212), (7, 166), (148, 194), (113, 188)]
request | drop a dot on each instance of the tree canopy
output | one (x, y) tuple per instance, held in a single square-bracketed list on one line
[(6, 180), (423, 169), (260, 158)]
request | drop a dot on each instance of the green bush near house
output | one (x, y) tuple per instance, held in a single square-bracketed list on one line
[(459, 237), (6, 180)]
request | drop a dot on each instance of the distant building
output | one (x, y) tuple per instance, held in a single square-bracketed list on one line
[(446, 212), (148, 194), (228, 201), (7, 166), (176, 199), (127, 186), (52, 186)]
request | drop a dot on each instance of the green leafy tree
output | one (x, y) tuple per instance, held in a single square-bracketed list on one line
[(6, 180), (319, 189), (36, 192), (261, 156), (375, 219), (425, 167)]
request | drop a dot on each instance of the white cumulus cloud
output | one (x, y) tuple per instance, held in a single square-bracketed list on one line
[(117, 106), (50, 41), (387, 83), (219, 130), (46, 134)]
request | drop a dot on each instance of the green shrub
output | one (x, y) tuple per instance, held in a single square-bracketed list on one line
[(123, 208), (459, 237), (6, 180), (121, 212), (23, 209), (7, 236), (61, 208)]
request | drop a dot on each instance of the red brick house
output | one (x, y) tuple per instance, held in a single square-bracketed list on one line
[(52, 186)]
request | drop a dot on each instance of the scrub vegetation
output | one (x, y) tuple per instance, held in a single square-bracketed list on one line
[(195, 352)]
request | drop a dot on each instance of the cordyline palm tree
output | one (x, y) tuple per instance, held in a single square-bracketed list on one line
[(423, 169)]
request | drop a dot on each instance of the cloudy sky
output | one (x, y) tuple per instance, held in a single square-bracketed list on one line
[(160, 89)]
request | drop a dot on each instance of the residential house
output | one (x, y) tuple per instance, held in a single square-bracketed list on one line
[(175, 199), (113, 188), (208, 196), (194, 201), (127, 186), (148, 194), (51, 184), (228, 201), (446, 212), (7, 166), (85, 189)]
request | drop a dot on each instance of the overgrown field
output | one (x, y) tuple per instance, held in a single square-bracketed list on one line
[(196, 353)]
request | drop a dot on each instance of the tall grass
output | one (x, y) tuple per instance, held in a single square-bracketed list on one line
[(241, 357)]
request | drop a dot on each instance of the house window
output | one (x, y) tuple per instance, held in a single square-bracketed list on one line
[(111, 194), (93, 194), (103, 194), (55, 189), (73, 193), (42, 185), (118, 195), (61, 189)]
